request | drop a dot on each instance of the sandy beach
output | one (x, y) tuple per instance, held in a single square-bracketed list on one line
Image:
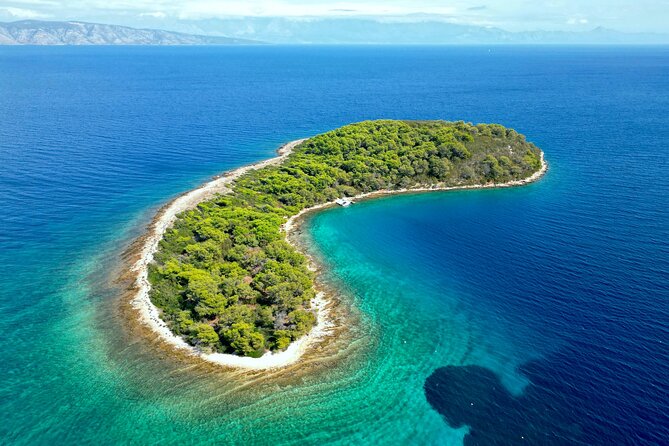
[(150, 314)]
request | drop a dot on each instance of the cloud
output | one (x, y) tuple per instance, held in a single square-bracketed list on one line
[(33, 3), (21, 13), (514, 15), (198, 9), (155, 14), (577, 21)]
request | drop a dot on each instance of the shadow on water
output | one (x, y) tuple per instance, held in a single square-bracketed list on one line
[(565, 404)]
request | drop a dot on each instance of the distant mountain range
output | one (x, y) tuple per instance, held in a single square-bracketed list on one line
[(303, 30), (399, 30), (35, 32)]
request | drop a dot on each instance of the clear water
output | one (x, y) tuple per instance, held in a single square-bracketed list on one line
[(545, 306)]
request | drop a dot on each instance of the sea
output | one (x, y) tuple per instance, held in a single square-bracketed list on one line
[(532, 315)]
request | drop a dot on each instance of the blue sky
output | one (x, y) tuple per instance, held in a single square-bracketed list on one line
[(513, 15)]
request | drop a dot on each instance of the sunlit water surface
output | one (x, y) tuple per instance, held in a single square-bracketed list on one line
[(535, 315)]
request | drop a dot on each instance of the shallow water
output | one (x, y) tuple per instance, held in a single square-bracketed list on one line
[(552, 295)]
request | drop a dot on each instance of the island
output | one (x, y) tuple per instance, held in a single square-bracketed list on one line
[(218, 275), (47, 32)]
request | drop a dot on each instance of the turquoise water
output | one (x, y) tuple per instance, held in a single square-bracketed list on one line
[(539, 312)]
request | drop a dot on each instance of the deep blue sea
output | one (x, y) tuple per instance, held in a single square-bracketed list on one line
[(535, 315)]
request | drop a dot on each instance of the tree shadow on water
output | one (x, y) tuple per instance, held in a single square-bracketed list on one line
[(474, 396), (566, 403)]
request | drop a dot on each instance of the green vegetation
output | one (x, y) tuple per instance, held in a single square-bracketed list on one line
[(224, 276)]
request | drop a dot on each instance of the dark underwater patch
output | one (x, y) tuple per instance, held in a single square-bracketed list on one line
[(565, 404), (474, 396)]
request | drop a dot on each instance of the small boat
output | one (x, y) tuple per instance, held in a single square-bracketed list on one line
[(345, 202)]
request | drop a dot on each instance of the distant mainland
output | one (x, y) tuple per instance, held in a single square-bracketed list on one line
[(414, 30), (218, 275), (42, 32)]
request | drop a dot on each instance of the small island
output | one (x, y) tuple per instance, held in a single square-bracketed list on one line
[(220, 275)]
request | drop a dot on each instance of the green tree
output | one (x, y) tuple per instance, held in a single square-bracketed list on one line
[(204, 335), (301, 321), (243, 338), (282, 339)]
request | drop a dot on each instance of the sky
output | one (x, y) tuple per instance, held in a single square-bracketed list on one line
[(511, 15)]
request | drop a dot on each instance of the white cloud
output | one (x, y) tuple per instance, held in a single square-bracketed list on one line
[(577, 21), (22, 13), (514, 15), (205, 8), (33, 3), (155, 14)]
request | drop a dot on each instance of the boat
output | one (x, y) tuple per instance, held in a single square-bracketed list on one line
[(344, 202)]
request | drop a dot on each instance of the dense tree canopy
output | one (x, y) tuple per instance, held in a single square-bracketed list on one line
[(224, 277)]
